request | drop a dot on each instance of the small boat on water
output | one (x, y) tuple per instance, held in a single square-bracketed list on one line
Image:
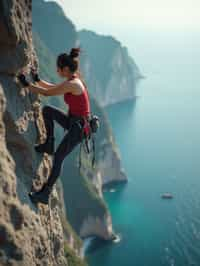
[(167, 196)]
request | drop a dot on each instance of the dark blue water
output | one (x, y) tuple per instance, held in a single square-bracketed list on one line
[(159, 139)]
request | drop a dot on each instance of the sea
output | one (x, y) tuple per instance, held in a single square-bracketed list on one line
[(158, 135)]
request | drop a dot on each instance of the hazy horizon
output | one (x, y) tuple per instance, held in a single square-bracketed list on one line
[(158, 23), (110, 14)]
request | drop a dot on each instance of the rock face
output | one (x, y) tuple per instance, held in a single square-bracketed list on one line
[(111, 73), (29, 235), (94, 226), (15, 35)]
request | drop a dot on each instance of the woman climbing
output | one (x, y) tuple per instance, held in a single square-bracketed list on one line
[(76, 121)]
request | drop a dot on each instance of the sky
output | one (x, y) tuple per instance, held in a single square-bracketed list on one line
[(148, 28), (129, 14)]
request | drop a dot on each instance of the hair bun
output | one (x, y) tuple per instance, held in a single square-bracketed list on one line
[(75, 52)]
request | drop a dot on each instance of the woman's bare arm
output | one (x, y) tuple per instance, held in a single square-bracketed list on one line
[(45, 84), (58, 89), (62, 88), (38, 90)]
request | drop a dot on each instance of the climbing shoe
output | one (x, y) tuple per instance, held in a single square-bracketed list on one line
[(47, 146), (41, 196)]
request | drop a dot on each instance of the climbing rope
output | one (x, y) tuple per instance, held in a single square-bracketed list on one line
[(85, 140)]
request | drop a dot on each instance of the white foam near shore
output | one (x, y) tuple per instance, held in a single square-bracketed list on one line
[(86, 244), (117, 239)]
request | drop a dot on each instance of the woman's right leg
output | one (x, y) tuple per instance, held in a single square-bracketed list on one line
[(51, 114)]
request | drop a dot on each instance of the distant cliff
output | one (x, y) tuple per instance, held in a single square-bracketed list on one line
[(52, 25), (109, 70)]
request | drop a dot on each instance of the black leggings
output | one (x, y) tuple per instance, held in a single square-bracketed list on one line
[(69, 141)]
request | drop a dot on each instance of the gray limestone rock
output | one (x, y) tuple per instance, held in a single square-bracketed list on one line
[(29, 235)]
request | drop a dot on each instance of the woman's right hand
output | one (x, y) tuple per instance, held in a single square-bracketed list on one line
[(35, 75)]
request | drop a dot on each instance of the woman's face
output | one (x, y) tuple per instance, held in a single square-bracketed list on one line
[(63, 72)]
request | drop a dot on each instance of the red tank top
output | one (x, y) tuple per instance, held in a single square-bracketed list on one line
[(78, 104)]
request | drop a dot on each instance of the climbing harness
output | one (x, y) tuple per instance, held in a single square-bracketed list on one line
[(88, 125)]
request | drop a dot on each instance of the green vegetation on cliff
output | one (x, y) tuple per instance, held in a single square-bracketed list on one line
[(72, 258)]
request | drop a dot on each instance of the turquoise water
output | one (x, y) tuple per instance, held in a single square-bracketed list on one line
[(159, 139)]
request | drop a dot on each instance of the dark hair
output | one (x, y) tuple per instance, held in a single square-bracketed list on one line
[(70, 60)]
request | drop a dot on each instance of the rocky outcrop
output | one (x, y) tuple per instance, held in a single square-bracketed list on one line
[(110, 164), (15, 35), (29, 235), (108, 159), (109, 70), (100, 227)]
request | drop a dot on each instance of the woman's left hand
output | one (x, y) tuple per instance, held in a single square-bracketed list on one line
[(22, 79)]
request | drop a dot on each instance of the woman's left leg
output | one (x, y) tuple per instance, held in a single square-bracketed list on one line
[(71, 139)]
